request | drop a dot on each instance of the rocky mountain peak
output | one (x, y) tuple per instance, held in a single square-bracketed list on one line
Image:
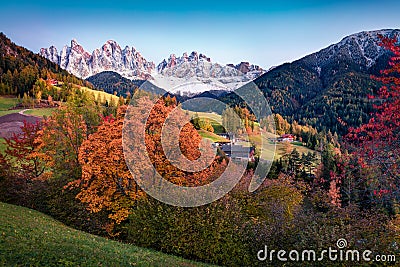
[(50, 53), (111, 47), (129, 63), (110, 57), (74, 43), (77, 48), (204, 57)]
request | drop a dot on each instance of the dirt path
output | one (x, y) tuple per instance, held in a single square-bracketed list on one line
[(12, 123), (22, 111)]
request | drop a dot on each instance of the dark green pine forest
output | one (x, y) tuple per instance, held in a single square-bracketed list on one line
[(333, 99)]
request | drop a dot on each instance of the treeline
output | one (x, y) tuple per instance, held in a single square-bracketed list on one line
[(343, 105), (305, 134), (21, 68)]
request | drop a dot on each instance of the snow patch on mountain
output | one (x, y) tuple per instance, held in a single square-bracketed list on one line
[(191, 85), (198, 69), (361, 48)]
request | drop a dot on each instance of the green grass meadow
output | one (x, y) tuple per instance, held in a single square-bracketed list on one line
[(40, 112), (212, 136), (30, 238), (100, 95), (6, 103)]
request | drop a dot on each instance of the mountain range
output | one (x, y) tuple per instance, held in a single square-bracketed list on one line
[(169, 73), (110, 57)]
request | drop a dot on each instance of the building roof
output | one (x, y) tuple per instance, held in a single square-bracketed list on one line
[(237, 151)]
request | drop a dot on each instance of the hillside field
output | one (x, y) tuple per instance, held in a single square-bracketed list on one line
[(101, 95), (40, 112), (30, 238), (6, 103)]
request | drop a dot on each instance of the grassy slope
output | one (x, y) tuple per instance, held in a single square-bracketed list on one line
[(6, 103), (215, 119), (30, 238), (40, 112), (101, 95), (270, 150), (212, 136), (211, 116), (279, 149), (97, 94)]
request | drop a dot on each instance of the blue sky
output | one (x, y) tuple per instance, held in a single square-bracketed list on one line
[(267, 33)]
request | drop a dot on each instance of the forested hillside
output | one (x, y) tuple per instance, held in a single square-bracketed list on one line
[(328, 89), (20, 69), (338, 93), (111, 82)]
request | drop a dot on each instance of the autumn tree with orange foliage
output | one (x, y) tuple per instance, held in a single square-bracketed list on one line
[(106, 182), (189, 142)]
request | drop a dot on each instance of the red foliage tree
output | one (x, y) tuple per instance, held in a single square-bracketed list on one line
[(21, 152), (376, 144), (21, 166)]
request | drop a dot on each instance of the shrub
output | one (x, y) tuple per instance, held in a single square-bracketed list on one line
[(212, 233)]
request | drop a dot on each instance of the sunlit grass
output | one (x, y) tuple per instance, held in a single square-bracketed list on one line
[(100, 95), (8, 102), (11, 111), (41, 112), (276, 150), (212, 136)]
